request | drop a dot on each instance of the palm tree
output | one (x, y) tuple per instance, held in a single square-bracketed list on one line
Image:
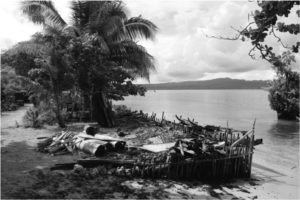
[(107, 23)]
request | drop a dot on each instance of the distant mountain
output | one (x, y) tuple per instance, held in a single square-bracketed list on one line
[(220, 83)]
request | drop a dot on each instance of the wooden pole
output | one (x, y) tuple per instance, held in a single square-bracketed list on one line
[(251, 148), (162, 117)]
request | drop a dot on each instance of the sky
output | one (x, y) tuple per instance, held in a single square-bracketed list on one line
[(181, 49)]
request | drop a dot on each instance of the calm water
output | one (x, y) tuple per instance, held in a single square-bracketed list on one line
[(240, 108)]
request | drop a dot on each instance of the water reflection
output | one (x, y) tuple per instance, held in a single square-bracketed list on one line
[(284, 129)]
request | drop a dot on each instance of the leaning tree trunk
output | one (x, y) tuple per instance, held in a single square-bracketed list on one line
[(102, 110), (86, 100)]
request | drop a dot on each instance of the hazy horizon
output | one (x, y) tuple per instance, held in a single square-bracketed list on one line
[(209, 80)]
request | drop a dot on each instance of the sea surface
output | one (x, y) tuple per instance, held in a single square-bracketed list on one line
[(276, 160)]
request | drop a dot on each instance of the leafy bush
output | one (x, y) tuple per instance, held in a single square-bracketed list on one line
[(121, 109), (11, 85), (7, 103), (31, 118), (7, 106), (37, 117), (284, 96)]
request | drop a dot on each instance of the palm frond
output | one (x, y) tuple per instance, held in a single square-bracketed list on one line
[(42, 12), (102, 17), (133, 57), (29, 47), (113, 26), (137, 27), (117, 8), (95, 39), (53, 29), (80, 13)]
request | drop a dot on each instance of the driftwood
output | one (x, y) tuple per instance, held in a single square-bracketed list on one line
[(212, 128), (96, 162), (104, 137), (63, 166), (89, 130), (157, 147), (258, 141), (99, 147), (92, 146), (64, 152), (118, 145), (44, 137), (43, 144), (55, 149), (182, 121), (193, 123)]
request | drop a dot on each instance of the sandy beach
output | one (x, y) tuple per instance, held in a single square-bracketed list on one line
[(25, 174)]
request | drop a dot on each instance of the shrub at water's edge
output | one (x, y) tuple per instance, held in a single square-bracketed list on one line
[(284, 94)]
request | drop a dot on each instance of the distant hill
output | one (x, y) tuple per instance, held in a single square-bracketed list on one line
[(220, 83)]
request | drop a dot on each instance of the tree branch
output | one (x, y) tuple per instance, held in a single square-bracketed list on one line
[(279, 39), (236, 37)]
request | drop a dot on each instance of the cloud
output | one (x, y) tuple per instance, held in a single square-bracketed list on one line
[(181, 49), (16, 27)]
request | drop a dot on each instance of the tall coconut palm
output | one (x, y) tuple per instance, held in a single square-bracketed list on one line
[(106, 22)]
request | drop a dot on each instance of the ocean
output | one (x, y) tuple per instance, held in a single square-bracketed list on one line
[(278, 156)]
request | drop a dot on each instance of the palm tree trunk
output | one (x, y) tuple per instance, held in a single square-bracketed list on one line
[(102, 111), (86, 101), (57, 95)]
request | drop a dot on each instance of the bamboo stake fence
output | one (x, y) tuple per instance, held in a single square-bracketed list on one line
[(236, 164), (235, 160)]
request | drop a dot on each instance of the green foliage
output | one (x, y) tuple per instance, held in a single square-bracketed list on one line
[(284, 97), (37, 117), (106, 58), (121, 109), (105, 25), (32, 118), (8, 104), (96, 53), (42, 12), (54, 74), (11, 83), (20, 61), (99, 73), (284, 94), (266, 23), (109, 20)]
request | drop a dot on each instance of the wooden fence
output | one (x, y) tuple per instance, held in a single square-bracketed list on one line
[(236, 164)]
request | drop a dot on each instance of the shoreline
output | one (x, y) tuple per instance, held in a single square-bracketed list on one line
[(24, 169)]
